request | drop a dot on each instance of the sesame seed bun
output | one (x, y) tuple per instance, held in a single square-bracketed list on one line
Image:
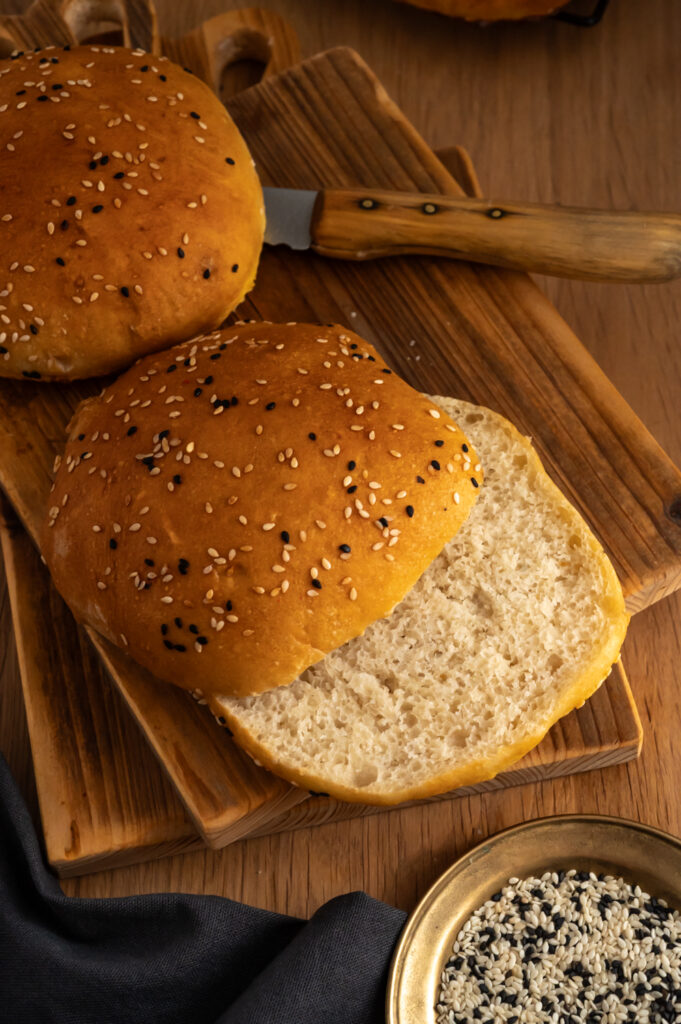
[(233, 509), (131, 216)]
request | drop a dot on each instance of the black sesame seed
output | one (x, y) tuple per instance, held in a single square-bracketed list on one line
[(119, 174), (22, 92), (313, 437), (196, 116), (125, 291), (177, 479), (285, 536), (203, 640), (163, 434), (193, 629), (208, 380), (149, 561), (435, 464), (171, 368), (31, 374), (352, 489), (180, 252), (197, 392), (169, 644), (386, 371), (317, 584), (409, 510), (98, 208), (178, 622), (474, 482), (33, 329), (270, 406), (216, 355), (438, 444), (182, 566), (43, 99), (180, 647), (345, 548), (60, 261), (93, 165), (464, 447), (57, 86), (383, 521), (163, 78), (81, 437), (71, 201), (145, 67), (164, 628), (113, 544), (235, 267), (228, 160), (235, 400), (131, 431), (64, 225), (206, 274), (103, 161), (420, 480), (228, 606), (352, 464), (3, 350)]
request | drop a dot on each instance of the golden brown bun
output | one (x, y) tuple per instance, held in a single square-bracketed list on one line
[(257, 497), (490, 10), (131, 216)]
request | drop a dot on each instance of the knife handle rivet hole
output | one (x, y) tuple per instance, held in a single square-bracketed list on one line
[(429, 208), (367, 204), (495, 213)]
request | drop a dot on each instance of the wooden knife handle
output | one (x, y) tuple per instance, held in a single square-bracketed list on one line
[(596, 245)]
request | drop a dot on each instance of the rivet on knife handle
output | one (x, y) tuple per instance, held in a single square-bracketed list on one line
[(597, 245)]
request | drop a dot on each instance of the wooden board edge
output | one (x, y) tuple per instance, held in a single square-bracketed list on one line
[(138, 854)]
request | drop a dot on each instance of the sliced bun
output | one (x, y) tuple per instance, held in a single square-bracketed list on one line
[(131, 215), (516, 622), (233, 509)]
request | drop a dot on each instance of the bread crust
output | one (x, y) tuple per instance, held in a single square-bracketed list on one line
[(587, 677), (131, 214), (231, 510)]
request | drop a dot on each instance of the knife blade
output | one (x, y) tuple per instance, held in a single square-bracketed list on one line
[(360, 224)]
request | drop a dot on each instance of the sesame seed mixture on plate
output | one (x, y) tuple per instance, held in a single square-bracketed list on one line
[(566, 948)]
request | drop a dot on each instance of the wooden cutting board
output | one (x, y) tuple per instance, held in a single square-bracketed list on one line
[(485, 335)]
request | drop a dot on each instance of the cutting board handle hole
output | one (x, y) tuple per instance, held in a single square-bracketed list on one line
[(674, 510), (239, 75), (103, 22)]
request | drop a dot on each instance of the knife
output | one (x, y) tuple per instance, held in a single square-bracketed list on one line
[(361, 224)]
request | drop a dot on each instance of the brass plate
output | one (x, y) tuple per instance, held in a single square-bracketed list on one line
[(587, 842)]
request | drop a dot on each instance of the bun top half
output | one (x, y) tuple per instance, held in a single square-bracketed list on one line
[(231, 510)]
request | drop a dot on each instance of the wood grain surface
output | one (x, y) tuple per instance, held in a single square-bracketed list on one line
[(550, 114)]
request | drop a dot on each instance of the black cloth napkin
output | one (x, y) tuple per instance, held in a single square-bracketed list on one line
[(171, 959)]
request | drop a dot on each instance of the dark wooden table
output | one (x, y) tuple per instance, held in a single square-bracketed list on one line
[(549, 113)]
